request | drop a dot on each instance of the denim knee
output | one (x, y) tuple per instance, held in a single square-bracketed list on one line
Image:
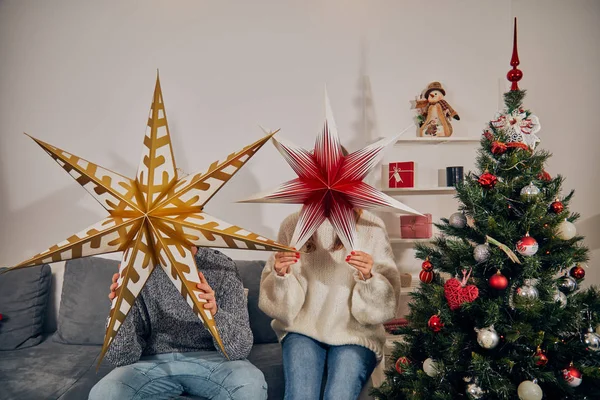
[(247, 383), (109, 389)]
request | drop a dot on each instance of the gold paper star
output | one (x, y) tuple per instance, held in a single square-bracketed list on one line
[(154, 219)]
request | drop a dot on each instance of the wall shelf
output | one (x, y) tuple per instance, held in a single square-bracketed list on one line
[(439, 140), (399, 240), (421, 190)]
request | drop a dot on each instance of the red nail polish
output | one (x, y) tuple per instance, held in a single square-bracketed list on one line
[(352, 253)]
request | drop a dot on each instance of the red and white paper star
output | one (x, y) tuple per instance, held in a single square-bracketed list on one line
[(330, 185)]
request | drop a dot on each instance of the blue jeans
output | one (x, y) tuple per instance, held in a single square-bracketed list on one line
[(304, 360), (166, 376)]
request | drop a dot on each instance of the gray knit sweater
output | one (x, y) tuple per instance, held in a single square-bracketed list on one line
[(162, 322)]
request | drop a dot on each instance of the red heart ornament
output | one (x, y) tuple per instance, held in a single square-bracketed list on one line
[(458, 292)]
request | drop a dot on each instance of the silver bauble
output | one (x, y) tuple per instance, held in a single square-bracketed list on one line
[(487, 337), (481, 253), (474, 392), (567, 284), (528, 291), (560, 297), (592, 340), (458, 220), (530, 192)]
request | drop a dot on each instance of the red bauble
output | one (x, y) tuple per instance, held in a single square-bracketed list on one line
[(577, 272), (544, 176), (487, 180), (527, 246), (401, 364), (498, 281), (557, 207), (426, 276), (435, 323), (456, 293), (427, 265), (0, 317), (572, 376), (540, 358)]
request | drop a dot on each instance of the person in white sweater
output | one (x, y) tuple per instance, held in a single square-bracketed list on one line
[(328, 307)]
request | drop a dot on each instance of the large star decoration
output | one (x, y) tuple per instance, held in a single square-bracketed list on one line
[(330, 185), (154, 219)]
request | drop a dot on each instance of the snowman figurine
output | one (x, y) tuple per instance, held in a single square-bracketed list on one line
[(435, 111)]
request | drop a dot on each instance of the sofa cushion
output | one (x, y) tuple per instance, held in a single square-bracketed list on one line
[(260, 323), (23, 303), (84, 303), (47, 370)]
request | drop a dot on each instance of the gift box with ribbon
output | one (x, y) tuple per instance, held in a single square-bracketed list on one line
[(415, 226), (401, 174)]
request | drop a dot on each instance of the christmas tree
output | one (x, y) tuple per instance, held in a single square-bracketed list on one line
[(513, 323)]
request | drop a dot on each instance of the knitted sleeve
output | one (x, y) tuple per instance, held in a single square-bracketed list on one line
[(375, 300), (282, 297), (128, 345), (231, 318)]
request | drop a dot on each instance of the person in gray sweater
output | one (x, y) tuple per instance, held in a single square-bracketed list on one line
[(163, 350)]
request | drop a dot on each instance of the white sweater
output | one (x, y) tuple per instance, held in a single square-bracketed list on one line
[(324, 298)]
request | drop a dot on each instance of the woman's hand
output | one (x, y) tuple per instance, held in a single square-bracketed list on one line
[(362, 261), (283, 262)]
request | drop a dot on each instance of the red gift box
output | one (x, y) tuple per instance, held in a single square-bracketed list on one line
[(401, 174), (415, 226)]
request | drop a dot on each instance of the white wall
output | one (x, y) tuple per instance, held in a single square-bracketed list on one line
[(80, 75)]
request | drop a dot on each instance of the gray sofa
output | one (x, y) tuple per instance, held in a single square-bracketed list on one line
[(62, 364)]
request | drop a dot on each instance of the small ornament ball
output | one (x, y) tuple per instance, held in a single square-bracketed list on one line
[(592, 340), (530, 192), (528, 291), (488, 337), (435, 323), (572, 376), (540, 358), (457, 220), (527, 246), (426, 276), (566, 230), (577, 272), (557, 207), (427, 265), (529, 390), (430, 367), (561, 298), (498, 281), (474, 391), (567, 284), (401, 364), (481, 253)]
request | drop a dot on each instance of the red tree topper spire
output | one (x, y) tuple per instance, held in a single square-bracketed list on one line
[(515, 74)]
